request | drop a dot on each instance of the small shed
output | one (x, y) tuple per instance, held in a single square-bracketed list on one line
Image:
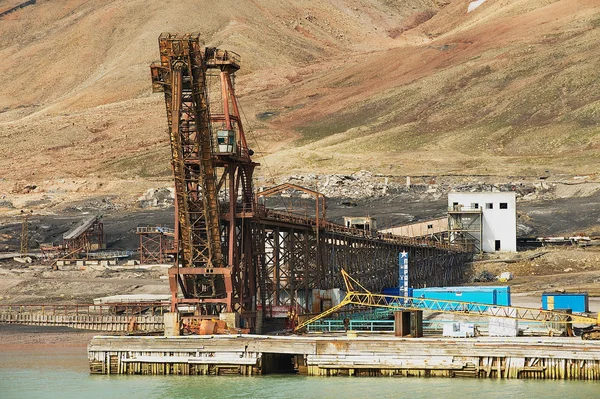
[(578, 302)]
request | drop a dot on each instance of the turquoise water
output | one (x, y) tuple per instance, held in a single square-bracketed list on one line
[(62, 373)]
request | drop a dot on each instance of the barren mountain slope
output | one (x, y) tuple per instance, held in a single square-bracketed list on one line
[(512, 90), (329, 85), (76, 100), (76, 54)]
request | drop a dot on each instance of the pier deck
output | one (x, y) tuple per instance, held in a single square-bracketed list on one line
[(368, 355)]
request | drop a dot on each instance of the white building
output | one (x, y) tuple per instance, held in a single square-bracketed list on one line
[(487, 220)]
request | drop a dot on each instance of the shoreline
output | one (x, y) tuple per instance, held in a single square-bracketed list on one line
[(17, 336)]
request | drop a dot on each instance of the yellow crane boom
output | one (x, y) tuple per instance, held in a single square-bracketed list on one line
[(358, 295)]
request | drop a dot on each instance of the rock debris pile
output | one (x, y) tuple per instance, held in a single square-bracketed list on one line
[(365, 185), (163, 197)]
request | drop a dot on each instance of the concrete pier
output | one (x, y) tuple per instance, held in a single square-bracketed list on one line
[(368, 355)]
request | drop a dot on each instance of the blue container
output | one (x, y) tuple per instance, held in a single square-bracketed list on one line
[(494, 295), (502, 295), (576, 301)]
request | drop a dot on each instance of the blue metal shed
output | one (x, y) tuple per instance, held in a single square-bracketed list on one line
[(492, 295), (576, 301)]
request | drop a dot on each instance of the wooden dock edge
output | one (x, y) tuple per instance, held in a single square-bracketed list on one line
[(522, 357)]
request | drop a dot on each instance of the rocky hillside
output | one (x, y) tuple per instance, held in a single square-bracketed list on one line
[(419, 87)]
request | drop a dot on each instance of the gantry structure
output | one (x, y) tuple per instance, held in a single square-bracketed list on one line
[(234, 254), (156, 244)]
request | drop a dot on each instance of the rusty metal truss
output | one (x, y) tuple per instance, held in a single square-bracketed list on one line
[(83, 238), (156, 244), (210, 160), (234, 255), (293, 259), (181, 74)]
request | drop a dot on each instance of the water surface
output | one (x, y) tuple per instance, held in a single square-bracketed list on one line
[(38, 371)]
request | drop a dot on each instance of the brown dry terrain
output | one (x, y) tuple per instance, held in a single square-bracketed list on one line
[(412, 87), (508, 89), (39, 284), (14, 338), (553, 269)]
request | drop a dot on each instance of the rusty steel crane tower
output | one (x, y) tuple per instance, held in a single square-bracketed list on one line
[(213, 171)]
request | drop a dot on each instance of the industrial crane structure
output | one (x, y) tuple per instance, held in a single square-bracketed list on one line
[(209, 271), (233, 254), (357, 295)]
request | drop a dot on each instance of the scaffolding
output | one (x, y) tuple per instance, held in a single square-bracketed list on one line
[(465, 227), (157, 244)]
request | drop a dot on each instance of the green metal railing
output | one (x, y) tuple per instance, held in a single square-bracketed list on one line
[(353, 325)]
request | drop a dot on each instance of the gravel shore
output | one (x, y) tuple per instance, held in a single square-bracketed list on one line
[(14, 336)]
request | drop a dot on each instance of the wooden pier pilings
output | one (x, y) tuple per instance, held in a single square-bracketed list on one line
[(520, 357)]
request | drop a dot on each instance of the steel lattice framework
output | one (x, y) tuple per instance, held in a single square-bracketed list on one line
[(181, 75), (232, 254), (211, 268), (296, 256), (156, 243)]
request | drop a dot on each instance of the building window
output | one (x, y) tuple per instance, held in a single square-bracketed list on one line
[(430, 226), (474, 205), (497, 245), (489, 205), (504, 205)]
